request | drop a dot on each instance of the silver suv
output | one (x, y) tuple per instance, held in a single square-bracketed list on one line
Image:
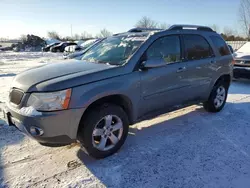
[(120, 81)]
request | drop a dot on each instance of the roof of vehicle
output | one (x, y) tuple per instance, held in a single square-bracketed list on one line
[(179, 27), (52, 44), (51, 41)]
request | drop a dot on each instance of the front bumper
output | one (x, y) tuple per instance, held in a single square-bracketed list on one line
[(241, 72), (58, 127)]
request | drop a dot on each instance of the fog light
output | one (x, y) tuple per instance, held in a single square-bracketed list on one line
[(35, 131)]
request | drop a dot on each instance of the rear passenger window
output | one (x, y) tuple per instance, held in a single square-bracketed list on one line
[(167, 48), (196, 47), (220, 45)]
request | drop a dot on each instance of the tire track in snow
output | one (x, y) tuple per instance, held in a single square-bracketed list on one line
[(71, 165), (21, 161)]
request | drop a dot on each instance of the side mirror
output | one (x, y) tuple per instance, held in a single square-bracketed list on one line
[(231, 49), (153, 63)]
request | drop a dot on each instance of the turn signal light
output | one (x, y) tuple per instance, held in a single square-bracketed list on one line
[(233, 62)]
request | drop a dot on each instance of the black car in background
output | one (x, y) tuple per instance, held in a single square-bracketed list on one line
[(47, 48), (60, 47)]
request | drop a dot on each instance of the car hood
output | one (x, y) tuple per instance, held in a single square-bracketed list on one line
[(242, 56), (29, 80)]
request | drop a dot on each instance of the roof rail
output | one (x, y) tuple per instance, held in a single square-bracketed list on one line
[(139, 29), (197, 27)]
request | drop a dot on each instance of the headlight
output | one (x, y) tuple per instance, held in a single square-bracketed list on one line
[(50, 101)]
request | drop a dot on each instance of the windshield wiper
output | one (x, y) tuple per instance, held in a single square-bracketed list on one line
[(101, 62)]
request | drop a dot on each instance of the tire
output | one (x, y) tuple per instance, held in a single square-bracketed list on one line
[(210, 105), (58, 50), (97, 119)]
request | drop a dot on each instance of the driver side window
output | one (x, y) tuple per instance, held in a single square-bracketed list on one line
[(166, 48)]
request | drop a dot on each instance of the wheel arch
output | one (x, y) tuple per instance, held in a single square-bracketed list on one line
[(117, 99), (225, 78)]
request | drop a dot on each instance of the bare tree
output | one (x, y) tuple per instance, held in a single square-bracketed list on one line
[(163, 26), (23, 38), (215, 28), (228, 31), (146, 22), (53, 35), (76, 37), (104, 33), (244, 16), (85, 35), (67, 38)]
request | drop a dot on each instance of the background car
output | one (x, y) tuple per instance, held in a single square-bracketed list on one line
[(70, 49), (242, 62), (78, 54), (61, 47), (88, 43), (79, 47), (47, 48)]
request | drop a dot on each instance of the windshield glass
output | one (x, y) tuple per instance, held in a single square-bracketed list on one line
[(88, 42), (245, 48), (114, 50)]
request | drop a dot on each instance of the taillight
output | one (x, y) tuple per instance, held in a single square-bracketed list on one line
[(233, 62)]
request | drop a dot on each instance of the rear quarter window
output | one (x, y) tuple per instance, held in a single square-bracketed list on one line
[(220, 45)]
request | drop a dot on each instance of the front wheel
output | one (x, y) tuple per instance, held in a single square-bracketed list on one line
[(104, 130), (217, 98)]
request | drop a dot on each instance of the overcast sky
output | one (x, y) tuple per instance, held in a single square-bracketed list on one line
[(39, 16)]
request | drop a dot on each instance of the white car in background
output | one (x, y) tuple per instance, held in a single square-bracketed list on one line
[(242, 62), (71, 48), (80, 46)]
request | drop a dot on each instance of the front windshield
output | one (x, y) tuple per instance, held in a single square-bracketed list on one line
[(88, 43), (114, 50)]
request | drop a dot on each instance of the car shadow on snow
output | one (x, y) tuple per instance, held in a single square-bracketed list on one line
[(181, 151), (7, 75), (8, 136), (240, 86)]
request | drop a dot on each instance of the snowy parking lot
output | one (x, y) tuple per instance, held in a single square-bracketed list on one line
[(185, 148)]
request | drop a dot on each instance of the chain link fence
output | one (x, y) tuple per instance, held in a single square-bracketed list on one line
[(236, 44)]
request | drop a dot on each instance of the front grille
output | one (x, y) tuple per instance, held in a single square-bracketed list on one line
[(238, 61), (242, 62), (16, 96)]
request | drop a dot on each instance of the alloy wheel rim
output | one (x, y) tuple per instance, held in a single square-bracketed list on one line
[(107, 132), (220, 97)]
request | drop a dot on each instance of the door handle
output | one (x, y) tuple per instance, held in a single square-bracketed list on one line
[(213, 61), (181, 69)]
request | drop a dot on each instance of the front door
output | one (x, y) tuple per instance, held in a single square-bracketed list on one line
[(163, 86)]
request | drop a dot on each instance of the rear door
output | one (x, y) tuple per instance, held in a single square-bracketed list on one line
[(199, 57), (224, 54)]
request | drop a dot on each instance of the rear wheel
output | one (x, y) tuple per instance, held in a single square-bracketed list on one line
[(217, 98), (104, 130)]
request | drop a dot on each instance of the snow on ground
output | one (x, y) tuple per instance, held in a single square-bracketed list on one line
[(14, 63), (185, 148), (5, 44)]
